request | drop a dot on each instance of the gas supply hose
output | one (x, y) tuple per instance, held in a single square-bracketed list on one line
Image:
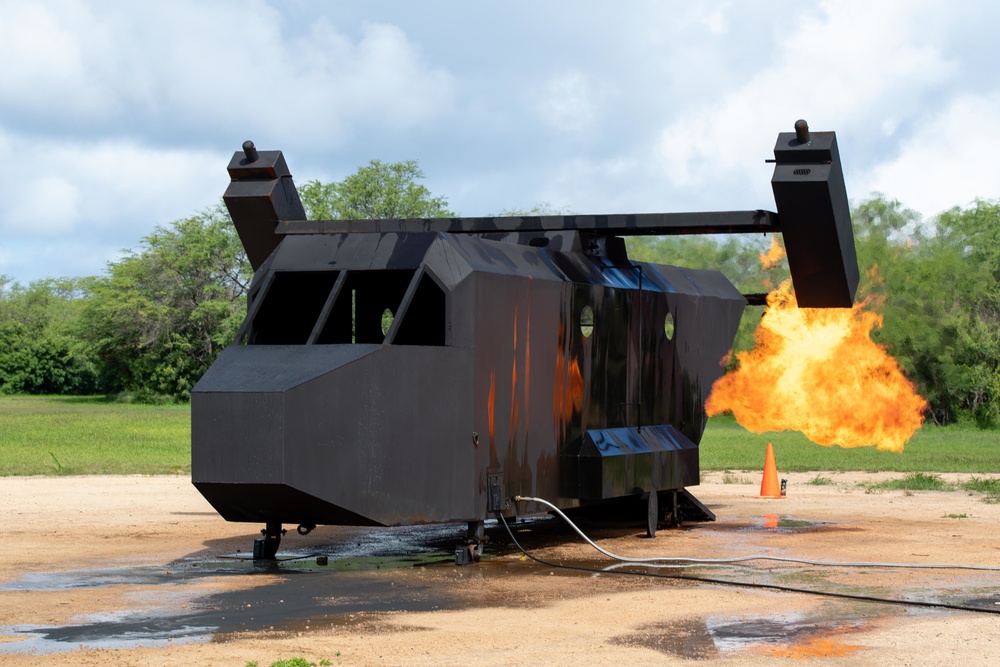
[(686, 562)]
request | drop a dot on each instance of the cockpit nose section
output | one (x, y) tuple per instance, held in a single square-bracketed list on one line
[(241, 427), (334, 434)]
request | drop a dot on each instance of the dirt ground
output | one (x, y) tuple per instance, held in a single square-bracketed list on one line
[(87, 553)]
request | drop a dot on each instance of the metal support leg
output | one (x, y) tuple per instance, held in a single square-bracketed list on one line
[(475, 540), (266, 548), (476, 530), (673, 516)]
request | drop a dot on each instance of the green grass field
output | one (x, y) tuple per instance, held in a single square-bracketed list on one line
[(65, 435), (728, 446), (70, 435)]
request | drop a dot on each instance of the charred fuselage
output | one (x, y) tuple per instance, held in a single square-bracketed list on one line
[(403, 372)]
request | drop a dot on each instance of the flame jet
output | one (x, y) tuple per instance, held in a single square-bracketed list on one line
[(395, 372)]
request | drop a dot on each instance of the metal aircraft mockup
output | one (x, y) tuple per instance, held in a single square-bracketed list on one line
[(394, 372)]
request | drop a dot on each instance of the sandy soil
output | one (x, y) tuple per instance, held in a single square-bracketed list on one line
[(510, 611)]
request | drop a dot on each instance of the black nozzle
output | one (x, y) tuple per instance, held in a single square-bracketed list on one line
[(251, 150), (801, 131)]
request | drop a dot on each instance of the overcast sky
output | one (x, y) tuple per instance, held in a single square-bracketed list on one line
[(116, 117)]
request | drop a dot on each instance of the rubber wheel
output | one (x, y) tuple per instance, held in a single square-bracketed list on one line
[(652, 514)]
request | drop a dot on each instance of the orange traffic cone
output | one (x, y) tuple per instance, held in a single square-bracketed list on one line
[(769, 486)]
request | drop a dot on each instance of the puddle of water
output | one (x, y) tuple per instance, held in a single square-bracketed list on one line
[(146, 629), (290, 563), (778, 523), (686, 639), (990, 602), (367, 542), (131, 576), (299, 599), (731, 635), (786, 524), (302, 596), (792, 635)]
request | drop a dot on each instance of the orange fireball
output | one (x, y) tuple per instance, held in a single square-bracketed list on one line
[(773, 256), (817, 371)]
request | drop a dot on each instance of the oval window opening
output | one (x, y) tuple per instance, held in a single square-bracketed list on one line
[(386, 321), (587, 321), (668, 326)]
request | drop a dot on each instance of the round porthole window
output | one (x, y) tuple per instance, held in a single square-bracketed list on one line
[(668, 326), (587, 321)]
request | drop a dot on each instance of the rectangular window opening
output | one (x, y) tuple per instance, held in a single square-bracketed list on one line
[(365, 308), (425, 319), (291, 306)]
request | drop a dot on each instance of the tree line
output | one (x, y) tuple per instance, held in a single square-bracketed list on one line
[(156, 319)]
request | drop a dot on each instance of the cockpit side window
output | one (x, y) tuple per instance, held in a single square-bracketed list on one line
[(290, 307)]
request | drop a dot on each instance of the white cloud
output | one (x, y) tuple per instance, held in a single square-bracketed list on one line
[(568, 102), (949, 160), (50, 54), (600, 186), (46, 205), (209, 68), (112, 187), (889, 126), (715, 21), (836, 67)]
